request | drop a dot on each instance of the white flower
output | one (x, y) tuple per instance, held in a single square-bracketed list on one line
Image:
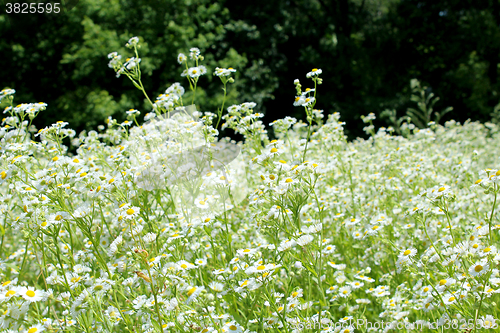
[(344, 291), (479, 268), (194, 53), (314, 72), (175, 89), (193, 293), (149, 237), (232, 327), (299, 101), (408, 253), (35, 328), (261, 268), (132, 63), (488, 322), (181, 58), (133, 41), (195, 72), (224, 71), (304, 240), (31, 294)]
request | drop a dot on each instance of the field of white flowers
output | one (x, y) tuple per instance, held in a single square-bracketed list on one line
[(167, 227)]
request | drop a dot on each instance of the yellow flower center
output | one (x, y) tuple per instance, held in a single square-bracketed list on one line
[(30, 293), (407, 252), (191, 291), (478, 268), (441, 189), (130, 211), (10, 293), (442, 282), (261, 268), (274, 150), (288, 180), (33, 330)]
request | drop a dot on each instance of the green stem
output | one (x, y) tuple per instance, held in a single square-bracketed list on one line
[(492, 211)]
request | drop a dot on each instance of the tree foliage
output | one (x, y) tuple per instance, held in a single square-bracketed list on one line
[(368, 50)]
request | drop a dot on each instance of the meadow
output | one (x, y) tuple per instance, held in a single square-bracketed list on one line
[(159, 224)]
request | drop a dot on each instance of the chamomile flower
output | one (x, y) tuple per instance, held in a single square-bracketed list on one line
[(35, 328), (314, 72), (181, 58), (479, 268), (408, 253), (232, 327)]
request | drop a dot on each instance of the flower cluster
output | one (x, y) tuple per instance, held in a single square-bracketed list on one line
[(164, 226)]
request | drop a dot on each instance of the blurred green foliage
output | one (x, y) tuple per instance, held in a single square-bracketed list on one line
[(368, 50)]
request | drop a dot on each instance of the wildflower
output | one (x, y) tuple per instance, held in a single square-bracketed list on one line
[(248, 252), (196, 72), (8, 293), (408, 253), (6, 92), (344, 291), (181, 58), (314, 72), (479, 268), (232, 327), (194, 53), (261, 268), (449, 299), (132, 63), (224, 71), (132, 42), (304, 240), (36, 328), (193, 293)]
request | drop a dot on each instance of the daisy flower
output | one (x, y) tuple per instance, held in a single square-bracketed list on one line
[(314, 72), (408, 253), (36, 328), (181, 58), (479, 268)]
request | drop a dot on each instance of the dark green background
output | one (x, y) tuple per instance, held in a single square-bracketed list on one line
[(368, 50)]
